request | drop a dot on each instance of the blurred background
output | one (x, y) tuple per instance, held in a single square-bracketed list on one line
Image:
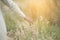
[(46, 24)]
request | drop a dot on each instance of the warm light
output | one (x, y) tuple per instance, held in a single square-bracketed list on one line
[(37, 8)]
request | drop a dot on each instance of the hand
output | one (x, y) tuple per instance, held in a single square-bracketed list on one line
[(28, 19)]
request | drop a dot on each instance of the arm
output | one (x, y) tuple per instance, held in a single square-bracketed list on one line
[(15, 8)]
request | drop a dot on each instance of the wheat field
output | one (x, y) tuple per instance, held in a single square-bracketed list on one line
[(46, 24)]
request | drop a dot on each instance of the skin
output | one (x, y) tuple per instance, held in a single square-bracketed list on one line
[(13, 6)]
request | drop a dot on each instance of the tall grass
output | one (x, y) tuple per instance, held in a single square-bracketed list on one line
[(45, 25)]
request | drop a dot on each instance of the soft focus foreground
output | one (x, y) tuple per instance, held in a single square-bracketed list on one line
[(46, 24)]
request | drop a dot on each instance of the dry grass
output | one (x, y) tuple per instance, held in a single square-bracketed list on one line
[(45, 25)]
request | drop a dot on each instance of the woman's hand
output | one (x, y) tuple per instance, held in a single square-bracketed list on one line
[(28, 19)]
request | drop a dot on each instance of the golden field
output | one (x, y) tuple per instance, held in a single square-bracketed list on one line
[(46, 24)]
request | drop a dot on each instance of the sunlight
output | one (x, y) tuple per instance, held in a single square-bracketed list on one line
[(37, 8), (45, 25)]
